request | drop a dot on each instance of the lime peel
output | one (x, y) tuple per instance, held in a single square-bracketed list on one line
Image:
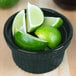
[(29, 42), (8, 3), (50, 34)]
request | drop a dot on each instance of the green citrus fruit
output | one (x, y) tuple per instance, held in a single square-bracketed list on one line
[(29, 42), (35, 17), (50, 34), (19, 23), (53, 21), (7, 3)]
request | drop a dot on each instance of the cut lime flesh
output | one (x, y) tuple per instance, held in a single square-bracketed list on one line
[(35, 17), (53, 21), (19, 22)]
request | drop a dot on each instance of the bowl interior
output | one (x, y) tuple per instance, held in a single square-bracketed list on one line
[(66, 28)]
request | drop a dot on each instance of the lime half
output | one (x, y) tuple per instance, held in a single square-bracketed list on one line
[(29, 42), (53, 21), (19, 23), (35, 17)]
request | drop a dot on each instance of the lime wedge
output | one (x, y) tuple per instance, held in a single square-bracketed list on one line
[(50, 34), (35, 17), (29, 42), (53, 21), (19, 23)]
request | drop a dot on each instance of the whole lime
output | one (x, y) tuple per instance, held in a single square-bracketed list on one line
[(7, 3)]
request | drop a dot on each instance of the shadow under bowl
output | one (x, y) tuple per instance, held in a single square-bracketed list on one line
[(39, 62)]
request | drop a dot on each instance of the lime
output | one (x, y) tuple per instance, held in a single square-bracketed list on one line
[(19, 23), (53, 21), (35, 17), (50, 34), (7, 3), (29, 42)]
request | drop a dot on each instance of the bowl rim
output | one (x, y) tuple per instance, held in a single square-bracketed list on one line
[(37, 52)]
